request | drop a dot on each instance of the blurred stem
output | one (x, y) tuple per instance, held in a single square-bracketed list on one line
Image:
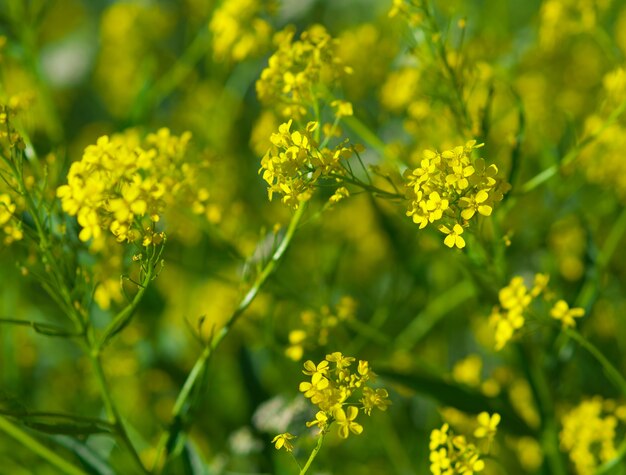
[(371, 138), (611, 371), (185, 65), (37, 447), (183, 404), (572, 155), (123, 317), (26, 33), (435, 40), (110, 408), (307, 465), (541, 390), (590, 288)]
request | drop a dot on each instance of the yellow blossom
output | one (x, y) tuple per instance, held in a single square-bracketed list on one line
[(561, 311), (283, 441)]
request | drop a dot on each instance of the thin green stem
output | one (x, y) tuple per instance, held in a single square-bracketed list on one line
[(182, 401), (543, 397), (168, 83), (612, 373), (122, 318), (572, 155), (37, 447), (307, 465), (371, 138), (370, 188), (111, 410)]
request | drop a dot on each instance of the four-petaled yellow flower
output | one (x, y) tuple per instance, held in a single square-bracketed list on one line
[(283, 441), (453, 237), (346, 422), (566, 315), (487, 425)]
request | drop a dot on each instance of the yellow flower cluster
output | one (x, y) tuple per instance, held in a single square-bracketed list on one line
[(332, 384), (297, 68), (10, 225), (124, 186), (10, 141), (452, 187), (295, 162), (238, 30), (588, 433), (452, 454), (514, 300), (316, 326)]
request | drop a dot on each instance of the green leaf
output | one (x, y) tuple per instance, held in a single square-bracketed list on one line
[(55, 423), (92, 461), (41, 328)]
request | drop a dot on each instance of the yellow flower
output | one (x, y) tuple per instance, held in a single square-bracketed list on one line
[(439, 437), (321, 420), (340, 360), (487, 425), (375, 398), (346, 422), (453, 237), (283, 441), (561, 311)]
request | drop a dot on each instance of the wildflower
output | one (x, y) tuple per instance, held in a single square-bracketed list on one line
[(346, 422), (451, 453), (451, 185), (343, 108), (487, 425), (321, 420), (378, 398), (120, 186), (296, 68), (332, 389), (588, 435), (239, 31), (453, 237), (295, 163), (561, 311), (439, 437), (283, 441), (514, 300)]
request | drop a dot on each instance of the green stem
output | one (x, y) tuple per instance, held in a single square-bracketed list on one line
[(198, 369), (549, 172), (111, 410), (123, 317), (38, 448), (196, 50), (549, 433), (611, 371), (262, 277), (370, 138), (307, 465)]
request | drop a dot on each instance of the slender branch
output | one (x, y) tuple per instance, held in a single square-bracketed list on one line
[(572, 155), (37, 447), (612, 373), (307, 465), (111, 410), (182, 401)]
